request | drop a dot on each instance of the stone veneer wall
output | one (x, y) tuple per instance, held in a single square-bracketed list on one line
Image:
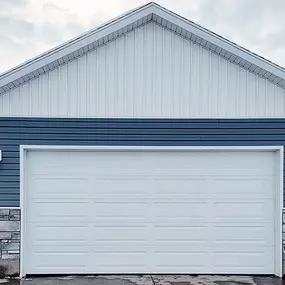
[(9, 241)]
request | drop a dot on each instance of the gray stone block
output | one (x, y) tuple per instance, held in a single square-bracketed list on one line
[(4, 218), (6, 226), (11, 246), (10, 256), (15, 212), (16, 235), (4, 212), (5, 235), (11, 266), (13, 252), (14, 217)]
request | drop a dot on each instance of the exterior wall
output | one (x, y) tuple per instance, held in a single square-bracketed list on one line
[(168, 132), (148, 72)]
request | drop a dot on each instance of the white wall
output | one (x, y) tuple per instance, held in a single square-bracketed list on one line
[(149, 72)]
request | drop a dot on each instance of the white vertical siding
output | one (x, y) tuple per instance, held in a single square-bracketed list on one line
[(149, 72)]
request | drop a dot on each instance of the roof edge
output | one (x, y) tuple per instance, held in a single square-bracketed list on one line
[(74, 42), (59, 55), (215, 38)]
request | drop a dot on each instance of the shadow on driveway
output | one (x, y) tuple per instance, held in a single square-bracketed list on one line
[(148, 280)]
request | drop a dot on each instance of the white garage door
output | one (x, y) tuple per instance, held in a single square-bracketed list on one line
[(149, 212)]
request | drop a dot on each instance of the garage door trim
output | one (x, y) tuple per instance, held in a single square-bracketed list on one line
[(278, 196)]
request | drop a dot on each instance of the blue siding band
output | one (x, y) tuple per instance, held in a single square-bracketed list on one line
[(124, 132)]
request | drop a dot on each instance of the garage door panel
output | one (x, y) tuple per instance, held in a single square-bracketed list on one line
[(116, 233), (238, 186), (47, 235), (57, 187), (118, 269), (250, 233), (244, 259), (193, 233), (241, 246), (114, 186), (180, 209), (120, 221), (70, 270), (120, 247), (115, 259), (177, 245), (127, 245), (116, 199), (180, 259), (236, 161), (150, 212), (119, 210), (45, 258), (60, 210), (251, 211), (180, 186), (73, 268)]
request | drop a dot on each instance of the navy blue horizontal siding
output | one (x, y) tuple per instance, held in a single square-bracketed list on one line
[(125, 132)]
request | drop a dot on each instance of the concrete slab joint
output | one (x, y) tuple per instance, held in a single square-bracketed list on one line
[(9, 242)]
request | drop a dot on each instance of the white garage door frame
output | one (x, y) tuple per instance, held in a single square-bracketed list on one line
[(278, 194)]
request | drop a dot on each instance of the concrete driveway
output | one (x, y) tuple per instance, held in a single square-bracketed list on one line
[(149, 280)]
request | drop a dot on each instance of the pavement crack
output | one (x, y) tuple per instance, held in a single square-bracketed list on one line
[(152, 280)]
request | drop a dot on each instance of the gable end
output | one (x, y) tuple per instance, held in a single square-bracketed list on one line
[(130, 21)]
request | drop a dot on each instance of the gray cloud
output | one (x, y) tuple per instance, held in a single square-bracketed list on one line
[(256, 25), (51, 34), (16, 27), (51, 7), (13, 3), (73, 28)]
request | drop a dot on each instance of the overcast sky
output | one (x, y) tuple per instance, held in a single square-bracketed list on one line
[(30, 27)]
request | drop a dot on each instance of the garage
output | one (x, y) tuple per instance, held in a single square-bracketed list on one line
[(148, 144), (150, 210)]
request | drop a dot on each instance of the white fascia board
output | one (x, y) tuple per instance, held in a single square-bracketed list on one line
[(219, 41), (75, 44)]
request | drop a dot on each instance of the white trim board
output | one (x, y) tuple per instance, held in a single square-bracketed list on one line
[(279, 195), (10, 208), (129, 21), (150, 148)]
